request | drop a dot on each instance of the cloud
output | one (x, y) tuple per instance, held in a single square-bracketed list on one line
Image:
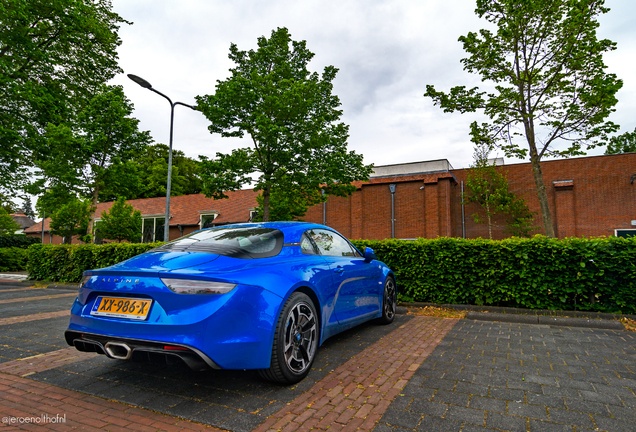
[(386, 52)]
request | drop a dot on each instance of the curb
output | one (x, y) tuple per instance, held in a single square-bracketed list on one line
[(16, 283), (547, 320), (64, 287)]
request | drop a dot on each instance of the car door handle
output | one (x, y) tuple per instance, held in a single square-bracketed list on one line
[(339, 270)]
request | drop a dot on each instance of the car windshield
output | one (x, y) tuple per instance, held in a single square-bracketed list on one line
[(235, 242)]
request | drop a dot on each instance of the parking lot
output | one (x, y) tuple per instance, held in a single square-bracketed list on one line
[(420, 374)]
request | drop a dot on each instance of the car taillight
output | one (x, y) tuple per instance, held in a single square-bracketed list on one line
[(84, 280), (189, 286)]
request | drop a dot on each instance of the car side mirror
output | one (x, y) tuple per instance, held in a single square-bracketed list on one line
[(369, 255)]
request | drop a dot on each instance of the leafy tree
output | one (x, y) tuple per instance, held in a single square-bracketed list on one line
[(54, 55), (489, 188), (288, 204), (121, 222), (547, 68), (625, 143), (292, 119), (7, 204), (27, 207), (80, 158), (7, 225), (71, 220)]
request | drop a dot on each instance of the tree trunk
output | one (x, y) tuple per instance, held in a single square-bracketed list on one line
[(266, 192), (93, 209), (541, 193)]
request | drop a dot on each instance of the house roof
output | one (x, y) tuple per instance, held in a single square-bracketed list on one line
[(23, 220), (186, 209)]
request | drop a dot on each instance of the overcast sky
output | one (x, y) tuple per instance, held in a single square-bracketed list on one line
[(387, 52)]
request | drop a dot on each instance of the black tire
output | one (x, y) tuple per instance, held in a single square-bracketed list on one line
[(389, 301), (295, 341)]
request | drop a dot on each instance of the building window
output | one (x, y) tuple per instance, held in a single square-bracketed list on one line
[(206, 220), (152, 228), (625, 233)]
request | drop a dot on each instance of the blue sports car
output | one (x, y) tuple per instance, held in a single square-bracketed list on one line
[(250, 296)]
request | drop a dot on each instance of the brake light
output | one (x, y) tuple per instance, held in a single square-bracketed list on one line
[(174, 348), (190, 286)]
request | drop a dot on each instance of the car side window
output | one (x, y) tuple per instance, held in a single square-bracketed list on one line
[(331, 244), (307, 247)]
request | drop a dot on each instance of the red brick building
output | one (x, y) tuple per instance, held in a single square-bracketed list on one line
[(590, 196)]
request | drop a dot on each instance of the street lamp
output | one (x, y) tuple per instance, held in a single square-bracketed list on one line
[(145, 84)]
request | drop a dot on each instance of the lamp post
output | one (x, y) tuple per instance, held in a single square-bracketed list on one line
[(145, 84)]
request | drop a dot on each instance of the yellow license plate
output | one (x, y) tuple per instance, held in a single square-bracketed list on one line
[(122, 307)]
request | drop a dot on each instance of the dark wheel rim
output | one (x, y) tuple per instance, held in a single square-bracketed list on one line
[(389, 299), (300, 337)]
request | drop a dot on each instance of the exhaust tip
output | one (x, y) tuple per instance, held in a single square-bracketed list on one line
[(118, 350)]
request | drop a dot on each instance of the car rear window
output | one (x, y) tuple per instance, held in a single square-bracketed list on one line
[(235, 242)]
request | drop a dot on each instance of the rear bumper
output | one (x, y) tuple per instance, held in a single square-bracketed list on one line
[(134, 349), (230, 331)]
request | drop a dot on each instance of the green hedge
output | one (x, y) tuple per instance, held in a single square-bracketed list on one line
[(597, 274), (66, 263), (18, 240), (13, 259)]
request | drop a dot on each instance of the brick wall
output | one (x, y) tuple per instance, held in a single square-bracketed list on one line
[(590, 196)]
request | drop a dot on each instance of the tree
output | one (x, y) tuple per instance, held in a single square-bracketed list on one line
[(286, 204), (489, 188), (292, 119), (27, 207), (54, 55), (79, 158), (547, 68), (7, 225), (121, 222), (71, 220), (625, 143), (145, 175)]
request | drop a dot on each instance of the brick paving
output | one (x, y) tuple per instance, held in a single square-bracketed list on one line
[(45, 297), (41, 362), (22, 289), (352, 397), (21, 397), (34, 317), (356, 394)]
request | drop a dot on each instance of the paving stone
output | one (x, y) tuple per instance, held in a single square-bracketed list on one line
[(587, 407), (571, 417), (449, 397), (473, 389), (507, 394), (525, 410), (628, 414), (242, 422), (437, 424), (613, 425), (404, 419), (543, 426), (468, 415), (549, 401), (488, 404), (426, 407), (506, 422)]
